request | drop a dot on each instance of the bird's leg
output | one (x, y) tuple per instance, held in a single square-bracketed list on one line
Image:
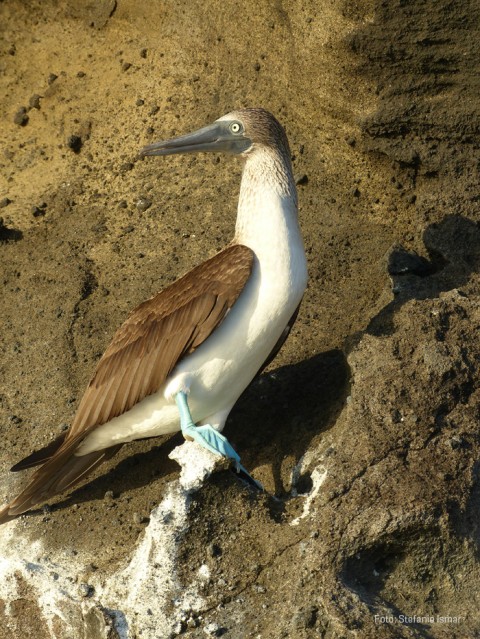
[(208, 437)]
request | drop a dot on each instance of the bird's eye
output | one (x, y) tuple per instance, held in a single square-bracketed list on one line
[(235, 127)]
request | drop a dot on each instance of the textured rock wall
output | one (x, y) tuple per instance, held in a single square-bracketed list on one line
[(364, 430)]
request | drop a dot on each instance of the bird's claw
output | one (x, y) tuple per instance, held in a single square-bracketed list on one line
[(210, 438)]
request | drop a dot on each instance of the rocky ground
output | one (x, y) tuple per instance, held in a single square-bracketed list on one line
[(364, 430)]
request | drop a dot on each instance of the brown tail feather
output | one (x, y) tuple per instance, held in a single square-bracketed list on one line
[(63, 470), (40, 456)]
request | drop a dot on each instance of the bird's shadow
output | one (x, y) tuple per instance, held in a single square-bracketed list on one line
[(280, 414)]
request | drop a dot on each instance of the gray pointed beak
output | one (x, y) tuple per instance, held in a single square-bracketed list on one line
[(216, 137)]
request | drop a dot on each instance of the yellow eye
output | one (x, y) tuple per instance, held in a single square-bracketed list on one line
[(235, 127)]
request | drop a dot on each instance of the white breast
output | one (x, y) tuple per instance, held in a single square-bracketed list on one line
[(220, 370)]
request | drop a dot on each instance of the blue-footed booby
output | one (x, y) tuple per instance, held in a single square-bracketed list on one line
[(183, 358)]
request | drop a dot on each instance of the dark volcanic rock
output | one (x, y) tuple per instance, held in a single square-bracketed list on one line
[(21, 117), (75, 143)]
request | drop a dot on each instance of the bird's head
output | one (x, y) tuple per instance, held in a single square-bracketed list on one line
[(238, 132)]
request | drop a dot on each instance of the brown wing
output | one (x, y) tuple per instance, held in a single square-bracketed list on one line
[(158, 333), (143, 351)]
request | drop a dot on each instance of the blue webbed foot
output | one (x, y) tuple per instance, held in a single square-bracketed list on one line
[(209, 438)]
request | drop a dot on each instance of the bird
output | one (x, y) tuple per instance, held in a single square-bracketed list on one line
[(181, 359)]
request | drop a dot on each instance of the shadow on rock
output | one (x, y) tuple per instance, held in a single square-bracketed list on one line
[(135, 471), (280, 413), (453, 246), (7, 234), (374, 574)]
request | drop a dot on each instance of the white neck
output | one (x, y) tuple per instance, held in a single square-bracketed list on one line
[(268, 200)]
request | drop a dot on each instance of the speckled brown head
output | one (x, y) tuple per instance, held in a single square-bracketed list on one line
[(260, 127)]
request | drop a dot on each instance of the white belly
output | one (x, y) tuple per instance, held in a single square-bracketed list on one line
[(217, 373)]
